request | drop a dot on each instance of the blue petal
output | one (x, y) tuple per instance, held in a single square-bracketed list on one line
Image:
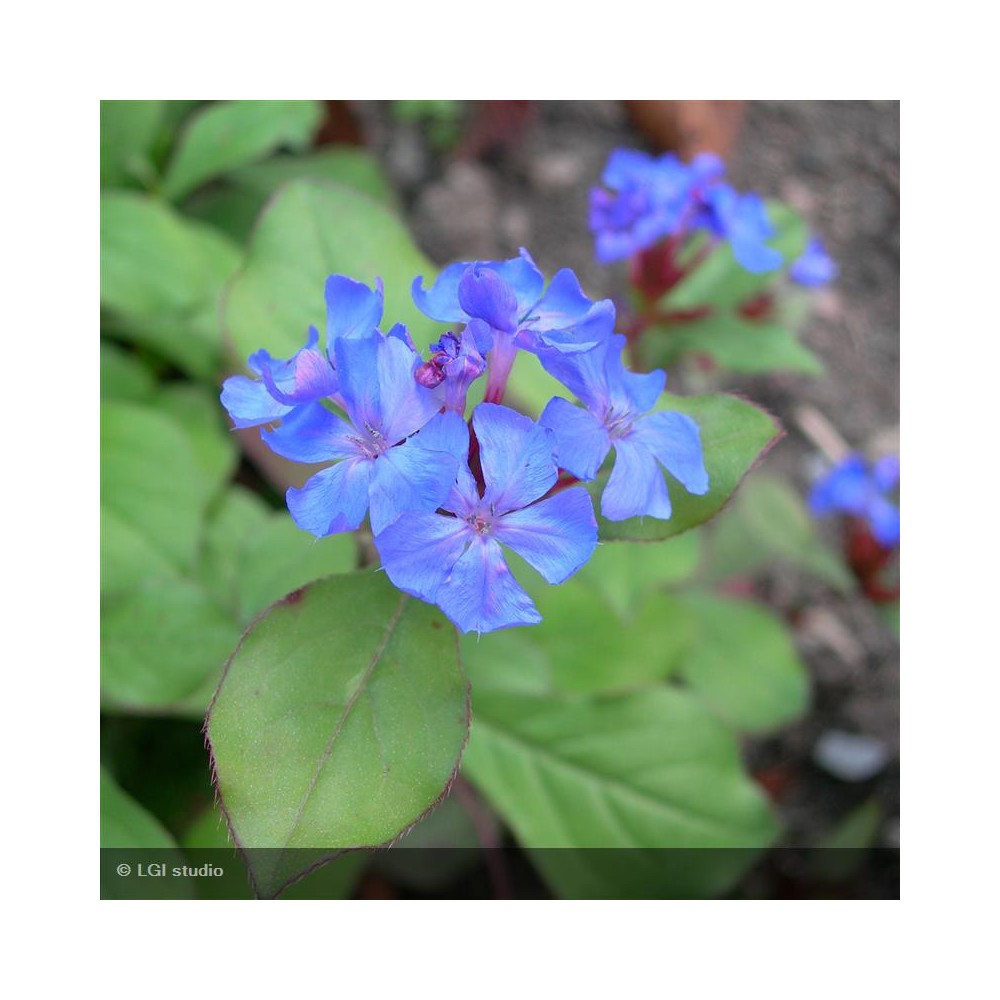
[(484, 295), (594, 328), (754, 255), (448, 433), (248, 402), (844, 488), (356, 361), (481, 595), (884, 520), (585, 373), (625, 166), (311, 433), (674, 439), (815, 267), (480, 334), (556, 536), (333, 500), (636, 487), (441, 301), (523, 277), (885, 472), (563, 304), (409, 479), (516, 456), (747, 227), (632, 392), (352, 309), (419, 550), (582, 443), (706, 167), (312, 378), (404, 406)]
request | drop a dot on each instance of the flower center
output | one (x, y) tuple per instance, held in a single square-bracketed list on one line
[(372, 444), (480, 522), (617, 424)]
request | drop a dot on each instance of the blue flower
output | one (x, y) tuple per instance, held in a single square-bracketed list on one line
[(815, 267), (453, 558), (394, 454), (651, 199), (353, 310), (508, 297), (854, 487), (617, 416), (743, 221)]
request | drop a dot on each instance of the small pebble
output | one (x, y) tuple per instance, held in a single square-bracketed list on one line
[(850, 756)]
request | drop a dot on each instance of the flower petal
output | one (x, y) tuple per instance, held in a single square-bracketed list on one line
[(523, 277), (844, 488), (885, 472), (333, 500), (484, 295), (556, 536), (676, 442), (312, 378), (352, 309), (419, 550), (409, 478), (480, 593), (404, 404), (883, 517), (311, 433), (441, 301), (582, 443), (248, 402), (516, 456), (636, 487)]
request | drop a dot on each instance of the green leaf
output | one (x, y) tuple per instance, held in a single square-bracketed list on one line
[(590, 649), (129, 556), (339, 722), (735, 343), (128, 129), (743, 665), (152, 496), (254, 555), (161, 277), (308, 231), (734, 433), (228, 135), (624, 574), (769, 521), (635, 773), (235, 206), (198, 412), (207, 840), (279, 557), (509, 660), (161, 643), (124, 823), (123, 376), (236, 516), (721, 281)]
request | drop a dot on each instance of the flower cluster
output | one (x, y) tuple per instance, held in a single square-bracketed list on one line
[(445, 496), (854, 487), (646, 199)]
